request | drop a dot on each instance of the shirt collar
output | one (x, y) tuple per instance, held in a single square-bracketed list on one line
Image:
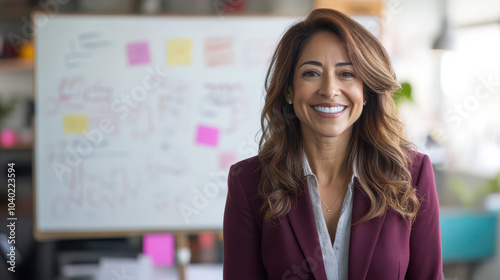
[(308, 172)]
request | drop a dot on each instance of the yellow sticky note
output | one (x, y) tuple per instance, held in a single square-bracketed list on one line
[(75, 124), (179, 51)]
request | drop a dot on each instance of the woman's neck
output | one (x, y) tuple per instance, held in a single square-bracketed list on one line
[(327, 156)]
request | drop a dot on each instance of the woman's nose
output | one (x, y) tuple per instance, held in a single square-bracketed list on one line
[(329, 88)]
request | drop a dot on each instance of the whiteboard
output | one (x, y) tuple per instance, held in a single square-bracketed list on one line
[(139, 118)]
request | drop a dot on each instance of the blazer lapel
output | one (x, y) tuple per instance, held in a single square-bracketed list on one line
[(363, 237), (303, 223)]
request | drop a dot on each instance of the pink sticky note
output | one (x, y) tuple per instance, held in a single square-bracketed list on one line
[(218, 51), (160, 247), (8, 138), (208, 136), (226, 159), (138, 53)]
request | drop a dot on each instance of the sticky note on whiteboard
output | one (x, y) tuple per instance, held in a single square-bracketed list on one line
[(208, 136), (218, 51), (179, 51), (160, 247), (138, 53), (226, 159), (75, 124)]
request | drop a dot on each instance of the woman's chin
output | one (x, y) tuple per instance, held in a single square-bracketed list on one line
[(329, 132)]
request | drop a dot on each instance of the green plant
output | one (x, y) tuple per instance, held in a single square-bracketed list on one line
[(6, 107), (403, 95), (490, 186), (469, 196)]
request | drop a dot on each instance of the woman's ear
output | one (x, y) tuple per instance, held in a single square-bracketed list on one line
[(289, 93)]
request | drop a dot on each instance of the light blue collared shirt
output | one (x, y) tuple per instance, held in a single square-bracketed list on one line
[(335, 258)]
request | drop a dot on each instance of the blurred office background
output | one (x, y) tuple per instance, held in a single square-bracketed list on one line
[(445, 54)]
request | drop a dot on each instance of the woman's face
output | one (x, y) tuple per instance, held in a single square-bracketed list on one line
[(327, 93)]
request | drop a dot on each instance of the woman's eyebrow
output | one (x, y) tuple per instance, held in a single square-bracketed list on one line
[(317, 63)]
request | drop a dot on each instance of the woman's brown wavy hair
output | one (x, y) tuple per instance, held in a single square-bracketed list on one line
[(378, 147)]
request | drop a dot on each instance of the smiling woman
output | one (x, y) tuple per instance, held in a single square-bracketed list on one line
[(330, 58), (352, 196), (326, 74)]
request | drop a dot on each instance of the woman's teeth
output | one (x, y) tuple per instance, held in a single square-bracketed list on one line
[(329, 109)]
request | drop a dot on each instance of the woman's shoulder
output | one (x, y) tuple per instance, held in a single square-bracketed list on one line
[(246, 167), (421, 170), (247, 172)]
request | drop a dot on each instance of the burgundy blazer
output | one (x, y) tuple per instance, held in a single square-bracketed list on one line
[(381, 248)]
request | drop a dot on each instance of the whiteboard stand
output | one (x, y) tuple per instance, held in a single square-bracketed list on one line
[(183, 254)]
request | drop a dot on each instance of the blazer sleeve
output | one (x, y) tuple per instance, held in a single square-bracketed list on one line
[(241, 239), (426, 260)]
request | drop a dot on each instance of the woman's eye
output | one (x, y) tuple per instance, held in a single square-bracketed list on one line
[(310, 74), (347, 75)]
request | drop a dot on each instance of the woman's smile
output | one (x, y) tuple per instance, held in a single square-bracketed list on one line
[(330, 112)]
